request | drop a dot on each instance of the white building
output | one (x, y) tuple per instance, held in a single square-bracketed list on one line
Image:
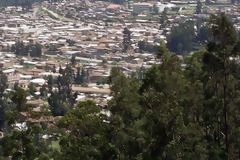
[(162, 6)]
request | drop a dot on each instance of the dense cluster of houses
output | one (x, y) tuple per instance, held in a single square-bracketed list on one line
[(92, 32)]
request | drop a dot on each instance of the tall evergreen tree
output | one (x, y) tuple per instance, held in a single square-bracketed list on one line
[(61, 100), (3, 86), (125, 116), (126, 39), (199, 7), (220, 86)]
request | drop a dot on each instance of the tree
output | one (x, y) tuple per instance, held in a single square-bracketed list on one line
[(21, 144), (31, 88), (73, 60), (3, 83), (126, 98), (125, 135), (19, 48), (35, 50), (181, 38), (126, 39), (66, 79), (19, 99), (52, 48), (163, 19), (43, 91), (85, 139), (161, 92), (57, 104), (54, 69), (194, 74), (169, 122), (80, 76), (3, 86), (60, 100), (141, 45), (145, 46), (70, 42), (203, 34), (221, 85), (199, 7), (104, 61), (60, 70), (50, 82)]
